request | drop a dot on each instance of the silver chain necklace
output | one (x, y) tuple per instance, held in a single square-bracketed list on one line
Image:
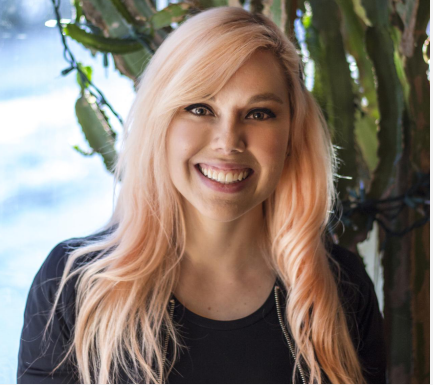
[(280, 319)]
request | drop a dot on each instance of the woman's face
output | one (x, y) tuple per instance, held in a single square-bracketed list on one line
[(246, 126)]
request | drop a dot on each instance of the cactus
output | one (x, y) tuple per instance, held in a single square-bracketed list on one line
[(418, 106)]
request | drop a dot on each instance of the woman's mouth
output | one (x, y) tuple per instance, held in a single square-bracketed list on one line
[(224, 181), (224, 176)]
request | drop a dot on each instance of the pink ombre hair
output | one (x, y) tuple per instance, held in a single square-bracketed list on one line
[(137, 264)]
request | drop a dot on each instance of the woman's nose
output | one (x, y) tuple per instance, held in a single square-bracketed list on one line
[(229, 136)]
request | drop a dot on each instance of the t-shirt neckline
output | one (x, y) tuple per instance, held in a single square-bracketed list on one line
[(185, 314)]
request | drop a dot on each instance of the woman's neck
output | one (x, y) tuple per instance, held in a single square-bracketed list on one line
[(224, 249)]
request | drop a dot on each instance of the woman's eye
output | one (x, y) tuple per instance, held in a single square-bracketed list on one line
[(259, 114), (200, 109)]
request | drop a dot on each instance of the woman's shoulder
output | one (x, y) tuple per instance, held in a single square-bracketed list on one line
[(39, 355), (49, 275), (356, 289), (54, 264), (348, 265), (364, 318), (354, 284)]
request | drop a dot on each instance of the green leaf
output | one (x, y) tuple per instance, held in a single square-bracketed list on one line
[(87, 70), (360, 11), (381, 51), (108, 19), (78, 10), (121, 8), (96, 129), (336, 87), (306, 21), (101, 43), (353, 29), (174, 13), (366, 136), (83, 152)]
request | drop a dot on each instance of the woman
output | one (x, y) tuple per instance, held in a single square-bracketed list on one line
[(214, 267)]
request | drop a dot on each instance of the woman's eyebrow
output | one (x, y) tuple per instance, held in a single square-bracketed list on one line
[(260, 98), (263, 97)]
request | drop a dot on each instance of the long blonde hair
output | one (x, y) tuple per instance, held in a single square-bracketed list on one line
[(136, 266)]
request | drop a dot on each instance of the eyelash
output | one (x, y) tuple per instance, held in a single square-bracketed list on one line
[(265, 110)]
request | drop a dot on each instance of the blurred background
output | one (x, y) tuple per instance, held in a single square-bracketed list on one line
[(50, 192)]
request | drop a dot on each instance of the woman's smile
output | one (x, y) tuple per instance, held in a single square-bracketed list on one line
[(225, 181)]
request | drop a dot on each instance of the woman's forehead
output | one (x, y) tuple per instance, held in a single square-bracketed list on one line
[(261, 78)]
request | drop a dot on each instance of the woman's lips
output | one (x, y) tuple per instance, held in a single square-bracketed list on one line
[(227, 188)]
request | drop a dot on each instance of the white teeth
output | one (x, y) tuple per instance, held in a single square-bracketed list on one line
[(229, 178), (221, 177)]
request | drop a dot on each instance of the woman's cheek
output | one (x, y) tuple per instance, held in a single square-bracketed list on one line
[(178, 140), (271, 146), (187, 137)]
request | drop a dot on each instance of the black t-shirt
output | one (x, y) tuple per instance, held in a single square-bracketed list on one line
[(248, 350)]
